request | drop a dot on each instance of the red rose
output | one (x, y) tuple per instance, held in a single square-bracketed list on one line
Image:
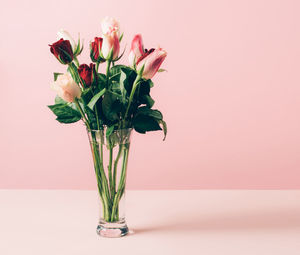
[(86, 74), (96, 46), (62, 50)]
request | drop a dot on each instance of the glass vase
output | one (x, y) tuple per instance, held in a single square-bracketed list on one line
[(110, 155)]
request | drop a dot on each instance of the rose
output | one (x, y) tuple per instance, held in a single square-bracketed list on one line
[(110, 42), (66, 87), (86, 74), (62, 50), (110, 28), (96, 46), (151, 59), (110, 25), (101, 47), (76, 47), (136, 50), (63, 34)]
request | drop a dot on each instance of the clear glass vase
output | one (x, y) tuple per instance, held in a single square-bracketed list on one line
[(110, 156)]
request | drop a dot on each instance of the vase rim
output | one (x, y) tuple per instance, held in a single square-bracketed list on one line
[(97, 130)]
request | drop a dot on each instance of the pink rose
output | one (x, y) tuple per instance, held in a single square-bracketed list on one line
[(150, 59), (136, 50), (110, 41), (110, 28), (66, 88), (110, 25)]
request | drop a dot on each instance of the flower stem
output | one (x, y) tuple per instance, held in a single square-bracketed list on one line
[(107, 72), (95, 152), (76, 61), (75, 75), (134, 86), (112, 192), (104, 178), (97, 66), (97, 117), (101, 177), (116, 166), (82, 114), (114, 216)]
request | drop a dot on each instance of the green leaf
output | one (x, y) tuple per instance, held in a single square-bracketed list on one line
[(101, 81), (123, 78), (102, 77), (65, 113), (156, 114), (110, 54), (121, 37), (92, 118), (67, 120), (147, 119), (144, 123), (117, 69), (151, 84), (144, 88), (115, 88), (72, 69), (79, 48), (109, 130), (115, 77), (56, 75), (161, 70), (63, 110), (95, 98), (141, 70), (111, 107), (146, 99), (164, 125), (87, 95)]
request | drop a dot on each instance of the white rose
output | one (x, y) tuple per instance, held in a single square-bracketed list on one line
[(110, 25), (66, 87), (110, 41)]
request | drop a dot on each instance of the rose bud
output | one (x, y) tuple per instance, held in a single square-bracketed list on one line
[(95, 47), (66, 87), (63, 34), (136, 51), (110, 28), (86, 74), (77, 48), (62, 50), (110, 25), (110, 42), (151, 60)]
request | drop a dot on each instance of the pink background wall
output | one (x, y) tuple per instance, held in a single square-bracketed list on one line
[(230, 96)]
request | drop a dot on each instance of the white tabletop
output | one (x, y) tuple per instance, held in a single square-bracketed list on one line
[(42, 222)]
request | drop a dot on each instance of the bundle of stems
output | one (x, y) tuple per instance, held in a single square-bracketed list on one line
[(109, 190)]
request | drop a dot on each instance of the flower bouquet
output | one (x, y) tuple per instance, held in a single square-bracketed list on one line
[(111, 105)]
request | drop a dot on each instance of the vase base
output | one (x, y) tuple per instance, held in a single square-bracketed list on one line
[(112, 229)]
